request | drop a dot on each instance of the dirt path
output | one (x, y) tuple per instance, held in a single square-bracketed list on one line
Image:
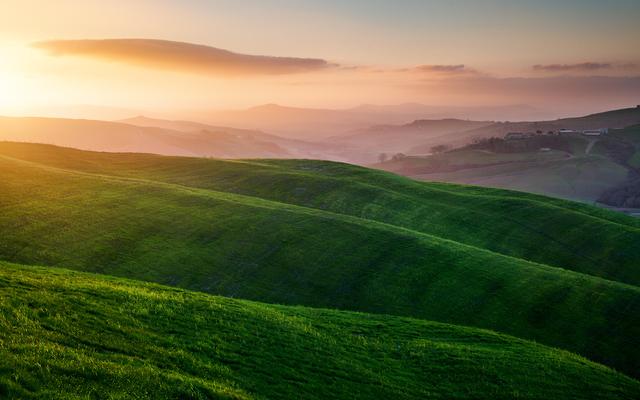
[(590, 146)]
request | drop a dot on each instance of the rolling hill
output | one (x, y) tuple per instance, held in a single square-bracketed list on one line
[(294, 147), (364, 145), (619, 119), (389, 139), (154, 136), (591, 169), (576, 177), (333, 235), (315, 124), (626, 194), (75, 335)]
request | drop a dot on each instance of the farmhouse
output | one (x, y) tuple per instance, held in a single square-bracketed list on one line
[(515, 136), (565, 131), (595, 132)]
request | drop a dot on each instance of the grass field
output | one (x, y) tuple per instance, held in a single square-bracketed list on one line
[(581, 178), (509, 223), (66, 335), (333, 235)]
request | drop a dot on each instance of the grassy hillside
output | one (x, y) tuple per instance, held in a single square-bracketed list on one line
[(86, 217), (73, 335), (582, 238)]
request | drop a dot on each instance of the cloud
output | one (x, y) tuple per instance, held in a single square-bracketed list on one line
[(586, 66), (180, 56), (458, 68)]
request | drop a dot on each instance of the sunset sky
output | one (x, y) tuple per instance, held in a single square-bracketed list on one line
[(569, 56)]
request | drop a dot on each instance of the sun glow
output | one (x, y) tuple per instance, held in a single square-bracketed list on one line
[(14, 88), (7, 90)]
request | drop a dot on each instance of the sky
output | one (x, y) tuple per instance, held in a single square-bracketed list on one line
[(569, 56)]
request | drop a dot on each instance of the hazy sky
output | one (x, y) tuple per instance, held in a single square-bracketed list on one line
[(327, 53)]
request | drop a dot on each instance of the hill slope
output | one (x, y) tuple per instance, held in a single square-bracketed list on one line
[(293, 147), (369, 143), (86, 336), (600, 169), (509, 223), (254, 247), (154, 136), (577, 177), (609, 119)]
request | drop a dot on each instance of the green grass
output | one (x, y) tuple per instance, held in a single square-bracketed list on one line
[(509, 223), (339, 236), (72, 335)]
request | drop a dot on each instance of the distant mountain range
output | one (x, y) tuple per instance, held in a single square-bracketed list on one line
[(419, 136), (318, 124), (391, 139), (145, 135), (307, 132)]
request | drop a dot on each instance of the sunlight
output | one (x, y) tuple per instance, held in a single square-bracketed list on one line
[(12, 89)]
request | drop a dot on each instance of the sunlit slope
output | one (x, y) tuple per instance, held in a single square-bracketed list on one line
[(243, 246), (88, 336), (535, 228)]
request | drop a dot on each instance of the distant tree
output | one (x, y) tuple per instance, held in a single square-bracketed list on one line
[(398, 156), (383, 157), (441, 148)]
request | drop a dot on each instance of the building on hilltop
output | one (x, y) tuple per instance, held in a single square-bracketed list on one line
[(515, 136), (595, 132)]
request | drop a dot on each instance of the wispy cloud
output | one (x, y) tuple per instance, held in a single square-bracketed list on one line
[(457, 68), (180, 56), (585, 66)]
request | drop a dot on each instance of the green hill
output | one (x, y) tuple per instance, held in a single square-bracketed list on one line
[(505, 222), (332, 235), (73, 335)]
